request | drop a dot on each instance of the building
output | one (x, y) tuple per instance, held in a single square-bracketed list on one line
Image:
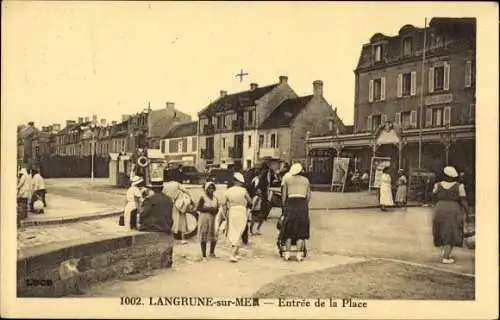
[(390, 90), (230, 127), (180, 144)]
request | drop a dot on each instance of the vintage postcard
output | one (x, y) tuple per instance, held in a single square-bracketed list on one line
[(186, 159)]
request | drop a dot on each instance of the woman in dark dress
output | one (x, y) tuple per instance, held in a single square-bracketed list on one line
[(448, 220)]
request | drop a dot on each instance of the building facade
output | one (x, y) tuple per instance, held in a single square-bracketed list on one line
[(403, 101), (180, 144)]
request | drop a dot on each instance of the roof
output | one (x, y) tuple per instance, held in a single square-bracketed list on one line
[(286, 112), (237, 100), (186, 129)]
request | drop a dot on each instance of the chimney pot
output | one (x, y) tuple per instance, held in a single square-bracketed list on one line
[(170, 105), (223, 93), (283, 79), (113, 122), (103, 121), (318, 88), (87, 119), (253, 86)]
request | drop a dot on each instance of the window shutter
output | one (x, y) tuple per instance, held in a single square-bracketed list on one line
[(413, 90), (369, 124), (400, 85), (382, 89), (446, 80), (245, 116), (370, 91), (468, 74), (397, 119), (413, 118), (277, 142), (447, 116), (431, 79), (428, 118)]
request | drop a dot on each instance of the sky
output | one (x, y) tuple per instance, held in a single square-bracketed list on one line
[(63, 60)]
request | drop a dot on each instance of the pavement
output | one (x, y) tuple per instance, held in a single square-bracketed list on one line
[(337, 237), (76, 199)]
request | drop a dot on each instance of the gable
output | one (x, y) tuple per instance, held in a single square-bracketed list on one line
[(286, 112)]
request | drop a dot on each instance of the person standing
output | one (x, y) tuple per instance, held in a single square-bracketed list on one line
[(296, 196), (208, 207), (385, 197), (257, 214), (38, 188), (156, 216), (448, 219), (133, 197), (401, 191), (23, 194), (181, 198), (235, 204)]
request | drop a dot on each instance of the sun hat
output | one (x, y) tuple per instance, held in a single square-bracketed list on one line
[(239, 177), (208, 185), (295, 169), (155, 183), (135, 180), (450, 172)]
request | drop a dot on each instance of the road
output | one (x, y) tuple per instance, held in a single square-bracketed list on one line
[(338, 237)]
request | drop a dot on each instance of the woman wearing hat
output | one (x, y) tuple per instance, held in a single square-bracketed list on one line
[(385, 190), (208, 207), (447, 225), (401, 190), (133, 196), (235, 204), (296, 195)]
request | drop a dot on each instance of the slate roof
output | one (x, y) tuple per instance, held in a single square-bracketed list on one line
[(284, 114), (183, 130), (237, 100)]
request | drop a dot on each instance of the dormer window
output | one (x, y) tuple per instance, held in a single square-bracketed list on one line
[(378, 53), (407, 47)]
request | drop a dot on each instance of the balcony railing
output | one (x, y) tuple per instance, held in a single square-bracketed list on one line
[(273, 153)]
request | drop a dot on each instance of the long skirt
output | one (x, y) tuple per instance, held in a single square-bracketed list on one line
[(448, 224), (386, 196), (179, 221), (130, 215), (206, 227), (237, 221), (401, 194), (295, 225)]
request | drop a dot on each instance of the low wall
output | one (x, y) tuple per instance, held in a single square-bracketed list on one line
[(70, 268)]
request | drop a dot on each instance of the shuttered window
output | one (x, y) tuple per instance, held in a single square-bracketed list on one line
[(447, 116), (369, 123), (431, 79), (399, 85), (428, 118), (468, 74), (413, 85), (413, 119), (446, 80), (382, 89), (194, 144), (370, 91), (397, 118)]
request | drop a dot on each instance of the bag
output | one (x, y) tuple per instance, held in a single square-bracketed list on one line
[(182, 202)]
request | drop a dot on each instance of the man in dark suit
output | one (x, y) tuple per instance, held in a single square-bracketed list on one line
[(156, 215)]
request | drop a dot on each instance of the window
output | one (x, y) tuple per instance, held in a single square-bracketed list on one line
[(250, 141), (378, 53), (261, 141), (407, 47), (469, 74), (250, 116), (377, 85), (223, 143), (436, 41), (376, 90), (194, 142), (405, 84), (163, 146), (406, 119), (274, 140), (376, 121), (437, 117), (249, 164), (439, 77)]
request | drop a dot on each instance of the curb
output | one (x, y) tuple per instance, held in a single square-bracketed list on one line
[(32, 223), (360, 207)]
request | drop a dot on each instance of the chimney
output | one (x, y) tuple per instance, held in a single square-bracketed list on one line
[(94, 118), (87, 119), (80, 119), (56, 127), (318, 88), (103, 122), (283, 79), (113, 123), (223, 93), (69, 122), (31, 124), (253, 86), (170, 105)]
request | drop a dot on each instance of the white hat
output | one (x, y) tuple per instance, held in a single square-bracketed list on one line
[(450, 172), (135, 180), (295, 169), (208, 185), (239, 177)]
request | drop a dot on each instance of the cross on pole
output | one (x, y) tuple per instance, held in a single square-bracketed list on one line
[(241, 75)]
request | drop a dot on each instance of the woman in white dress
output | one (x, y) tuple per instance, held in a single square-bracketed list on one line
[(181, 199), (133, 196), (385, 190), (235, 204)]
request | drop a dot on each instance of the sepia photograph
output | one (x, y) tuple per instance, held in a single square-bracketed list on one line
[(249, 160)]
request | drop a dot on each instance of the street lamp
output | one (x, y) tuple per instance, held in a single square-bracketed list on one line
[(447, 139)]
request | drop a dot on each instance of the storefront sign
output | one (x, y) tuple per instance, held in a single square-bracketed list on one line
[(439, 99), (378, 164), (321, 153)]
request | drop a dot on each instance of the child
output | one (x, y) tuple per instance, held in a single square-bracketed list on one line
[(256, 212)]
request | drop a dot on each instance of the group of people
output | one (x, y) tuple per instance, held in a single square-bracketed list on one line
[(31, 191), (242, 210), (386, 198)]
